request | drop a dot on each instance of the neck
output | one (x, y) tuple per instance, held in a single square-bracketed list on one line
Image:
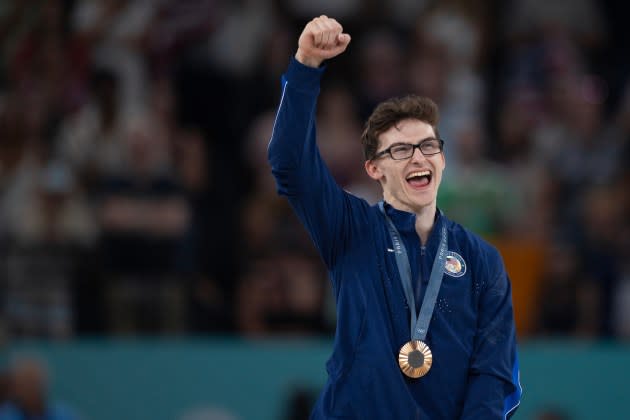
[(425, 219), (425, 216)]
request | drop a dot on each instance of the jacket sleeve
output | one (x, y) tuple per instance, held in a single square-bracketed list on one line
[(300, 173), (494, 389)]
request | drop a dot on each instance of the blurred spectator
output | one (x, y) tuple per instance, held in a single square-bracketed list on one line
[(4, 386), (90, 140), (266, 218), (535, 117), (283, 294), (201, 259), (568, 300), (443, 65), (144, 217), (621, 301), (341, 10), (339, 131), (234, 43), (551, 414), (179, 29), (3, 327), (52, 230), (22, 152), (273, 55), (49, 207), (600, 251), (381, 58), (38, 51), (300, 403), (113, 31), (529, 179), (28, 394), (581, 18), (476, 192), (44, 215), (209, 413), (621, 192), (580, 150)]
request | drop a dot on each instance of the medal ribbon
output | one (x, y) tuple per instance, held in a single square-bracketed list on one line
[(419, 323)]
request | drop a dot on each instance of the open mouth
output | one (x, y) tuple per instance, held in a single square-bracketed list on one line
[(419, 179)]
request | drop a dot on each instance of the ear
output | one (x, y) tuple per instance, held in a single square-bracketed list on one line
[(373, 170)]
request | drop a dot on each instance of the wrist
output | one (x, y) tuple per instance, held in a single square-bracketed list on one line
[(307, 60)]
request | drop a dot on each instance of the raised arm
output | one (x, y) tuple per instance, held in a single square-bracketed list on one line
[(300, 173)]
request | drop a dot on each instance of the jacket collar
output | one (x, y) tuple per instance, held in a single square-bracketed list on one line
[(405, 222)]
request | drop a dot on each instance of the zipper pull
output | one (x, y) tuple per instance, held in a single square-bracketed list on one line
[(423, 248)]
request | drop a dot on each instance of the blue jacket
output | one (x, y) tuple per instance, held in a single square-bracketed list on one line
[(472, 335)]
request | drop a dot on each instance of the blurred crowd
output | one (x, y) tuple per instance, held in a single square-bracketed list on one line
[(135, 194)]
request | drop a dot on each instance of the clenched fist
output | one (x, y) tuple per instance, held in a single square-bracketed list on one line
[(321, 39)]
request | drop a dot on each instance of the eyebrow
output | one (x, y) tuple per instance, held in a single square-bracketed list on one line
[(398, 143)]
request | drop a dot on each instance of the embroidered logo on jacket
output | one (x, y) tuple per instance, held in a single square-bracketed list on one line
[(454, 266)]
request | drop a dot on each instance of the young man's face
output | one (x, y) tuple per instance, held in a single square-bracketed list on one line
[(409, 184)]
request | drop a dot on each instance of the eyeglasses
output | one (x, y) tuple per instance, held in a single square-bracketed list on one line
[(400, 151)]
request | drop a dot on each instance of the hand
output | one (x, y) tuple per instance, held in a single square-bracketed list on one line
[(321, 39)]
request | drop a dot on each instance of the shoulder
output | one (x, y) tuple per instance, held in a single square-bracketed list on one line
[(362, 222), (362, 214)]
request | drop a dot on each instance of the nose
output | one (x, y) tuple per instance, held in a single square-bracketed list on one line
[(417, 155)]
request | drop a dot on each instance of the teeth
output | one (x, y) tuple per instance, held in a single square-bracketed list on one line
[(420, 173)]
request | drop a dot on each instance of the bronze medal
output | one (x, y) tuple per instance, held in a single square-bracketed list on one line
[(415, 358)]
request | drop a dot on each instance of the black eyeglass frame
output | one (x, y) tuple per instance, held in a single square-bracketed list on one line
[(413, 149)]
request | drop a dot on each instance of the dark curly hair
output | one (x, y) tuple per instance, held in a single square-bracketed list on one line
[(388, 113)]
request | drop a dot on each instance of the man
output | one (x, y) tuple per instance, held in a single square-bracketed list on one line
[(425, 328), (28, 394)]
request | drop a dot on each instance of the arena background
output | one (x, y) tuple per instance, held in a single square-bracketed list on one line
[(147, 263)]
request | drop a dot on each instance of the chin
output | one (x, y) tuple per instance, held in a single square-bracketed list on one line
[(422, 199)]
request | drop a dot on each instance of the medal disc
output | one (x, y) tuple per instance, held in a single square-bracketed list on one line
[(415, 359)]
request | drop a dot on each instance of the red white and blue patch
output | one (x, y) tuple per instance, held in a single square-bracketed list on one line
[(454, 265)]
